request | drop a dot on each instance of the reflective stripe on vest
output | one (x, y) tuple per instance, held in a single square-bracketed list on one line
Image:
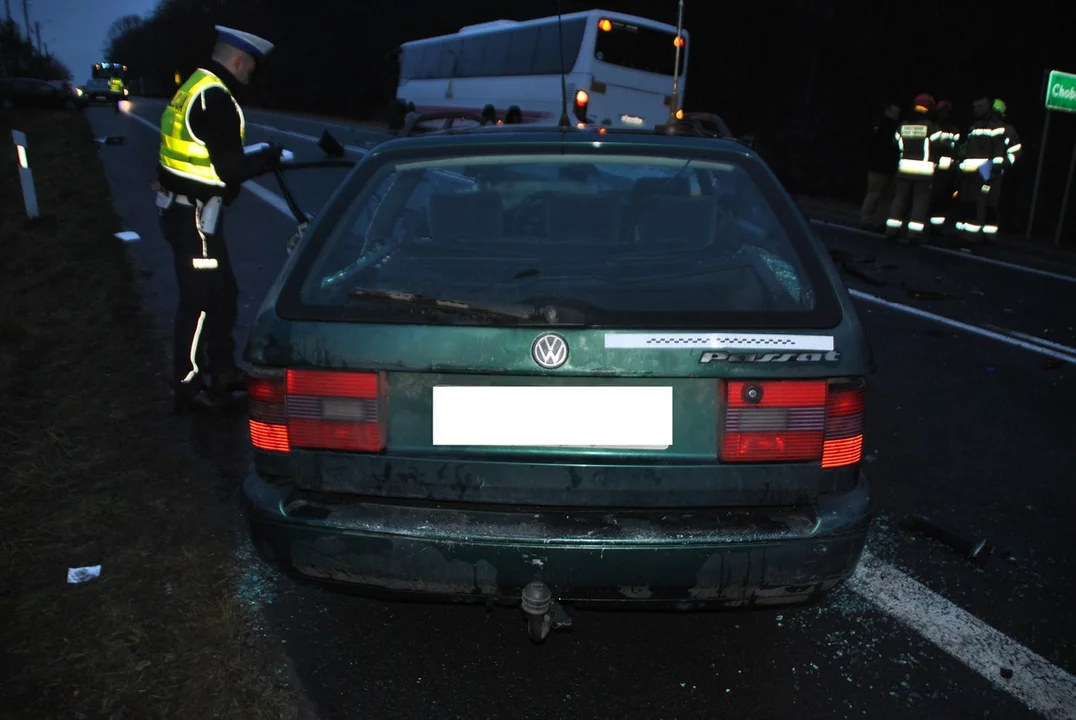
[(914, 141), (182, 152)]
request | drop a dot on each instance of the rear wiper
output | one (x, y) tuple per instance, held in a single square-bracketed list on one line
[(520, 312)]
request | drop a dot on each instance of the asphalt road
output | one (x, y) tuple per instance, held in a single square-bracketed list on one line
[(966, 423)]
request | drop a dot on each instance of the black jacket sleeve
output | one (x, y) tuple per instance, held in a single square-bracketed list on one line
[(215, 121)]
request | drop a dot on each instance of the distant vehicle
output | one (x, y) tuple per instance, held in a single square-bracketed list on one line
[(66, 86), (619, 71), (29, 92), (113, 76), (518, 364)]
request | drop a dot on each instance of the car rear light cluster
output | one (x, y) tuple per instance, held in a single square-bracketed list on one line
[(793, 421), (317, 410)]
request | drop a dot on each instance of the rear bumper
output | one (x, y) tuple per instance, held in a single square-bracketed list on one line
[(731, 557)]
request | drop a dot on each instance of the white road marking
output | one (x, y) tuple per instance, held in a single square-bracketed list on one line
[(291, 133), (1068, 355), (956, 253), (1035, 681), (1031, 338), (1002, 263)]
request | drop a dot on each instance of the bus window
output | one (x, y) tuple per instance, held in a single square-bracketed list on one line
[(495, 54), (638, 48), (471, 57), (521, 51), (449, 58), (545, 60)]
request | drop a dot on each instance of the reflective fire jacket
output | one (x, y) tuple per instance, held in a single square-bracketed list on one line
[(991, 140), (918, 141)]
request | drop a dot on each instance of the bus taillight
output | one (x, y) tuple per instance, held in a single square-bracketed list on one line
[(605, 25), (582, 100)]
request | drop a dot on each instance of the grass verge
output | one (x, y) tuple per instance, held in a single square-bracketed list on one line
[(95, 470)]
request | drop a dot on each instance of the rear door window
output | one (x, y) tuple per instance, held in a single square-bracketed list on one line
[(623, 241)]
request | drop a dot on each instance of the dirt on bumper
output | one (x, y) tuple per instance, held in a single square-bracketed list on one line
[(717, 557)]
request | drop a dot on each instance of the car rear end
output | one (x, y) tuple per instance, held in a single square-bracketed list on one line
[(625, 387), (631, 66)]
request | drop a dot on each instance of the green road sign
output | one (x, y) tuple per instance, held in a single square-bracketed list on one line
[(1061, 92)]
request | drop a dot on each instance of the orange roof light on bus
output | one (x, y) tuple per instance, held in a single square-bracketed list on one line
[(582, 98), (605, 25), (678, 41)]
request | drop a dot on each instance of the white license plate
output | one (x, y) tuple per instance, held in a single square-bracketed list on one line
[(631, 120), (543, 416)]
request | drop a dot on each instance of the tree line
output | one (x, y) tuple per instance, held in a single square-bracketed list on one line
[(19, 57), (806, 78)]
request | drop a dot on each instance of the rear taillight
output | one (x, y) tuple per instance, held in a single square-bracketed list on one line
[(317, 410), (793, 421), (582, 102)]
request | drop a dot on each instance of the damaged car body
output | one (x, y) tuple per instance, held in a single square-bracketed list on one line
[(538, 367)]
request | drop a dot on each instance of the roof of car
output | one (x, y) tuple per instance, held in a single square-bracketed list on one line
[(681, 136)]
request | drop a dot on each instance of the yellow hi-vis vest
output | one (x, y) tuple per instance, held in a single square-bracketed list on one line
[(182, 153), (115, 84)]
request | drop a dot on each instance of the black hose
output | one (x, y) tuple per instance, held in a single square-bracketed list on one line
[(289, 198)]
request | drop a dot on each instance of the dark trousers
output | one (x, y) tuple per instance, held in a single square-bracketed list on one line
[(913, 220), (208, 294), (979, 205), (942, 203)]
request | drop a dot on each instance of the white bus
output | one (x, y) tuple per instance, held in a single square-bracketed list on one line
[(619, 70)]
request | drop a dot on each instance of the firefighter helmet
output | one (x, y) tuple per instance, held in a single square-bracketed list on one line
[(1000, 107), (945, 105), (924, 103)]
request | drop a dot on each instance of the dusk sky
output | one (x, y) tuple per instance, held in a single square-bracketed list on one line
[(74, 30)]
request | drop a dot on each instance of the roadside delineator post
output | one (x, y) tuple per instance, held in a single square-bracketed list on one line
[(26, 176)]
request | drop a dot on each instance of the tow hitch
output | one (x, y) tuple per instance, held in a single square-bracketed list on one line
[(542, 611)]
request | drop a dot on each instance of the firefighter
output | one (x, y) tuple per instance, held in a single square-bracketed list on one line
[(944, 188), (201, 167), (992, 148), (917, 141)]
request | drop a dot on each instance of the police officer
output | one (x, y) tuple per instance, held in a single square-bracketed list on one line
[(943, 187), (917, 140), (202, 165), (992, 147)]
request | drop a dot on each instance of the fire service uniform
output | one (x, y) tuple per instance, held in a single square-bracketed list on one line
[(944, 190), (992, 148), (202, 165), (917, 140)]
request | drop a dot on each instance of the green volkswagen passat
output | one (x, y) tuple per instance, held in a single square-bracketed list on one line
[(544, 367)]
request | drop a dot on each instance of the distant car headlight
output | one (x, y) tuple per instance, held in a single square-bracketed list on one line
[(78, 92)]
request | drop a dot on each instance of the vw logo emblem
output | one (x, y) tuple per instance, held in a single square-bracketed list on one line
[(550, 351)]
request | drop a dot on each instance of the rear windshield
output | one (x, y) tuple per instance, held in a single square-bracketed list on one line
[(639, 48), (606, 241)]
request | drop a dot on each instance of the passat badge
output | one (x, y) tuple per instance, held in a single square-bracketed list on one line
[(550, 351), (709, 357)]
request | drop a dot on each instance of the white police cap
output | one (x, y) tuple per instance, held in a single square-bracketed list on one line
[(253, 45)]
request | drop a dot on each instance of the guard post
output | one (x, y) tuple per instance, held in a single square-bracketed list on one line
[(26, 176)]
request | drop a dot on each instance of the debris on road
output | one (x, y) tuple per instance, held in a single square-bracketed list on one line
[(932, 295), (128, 236), (1006, 673), (862, 274), (976, 551), (83, 574)]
